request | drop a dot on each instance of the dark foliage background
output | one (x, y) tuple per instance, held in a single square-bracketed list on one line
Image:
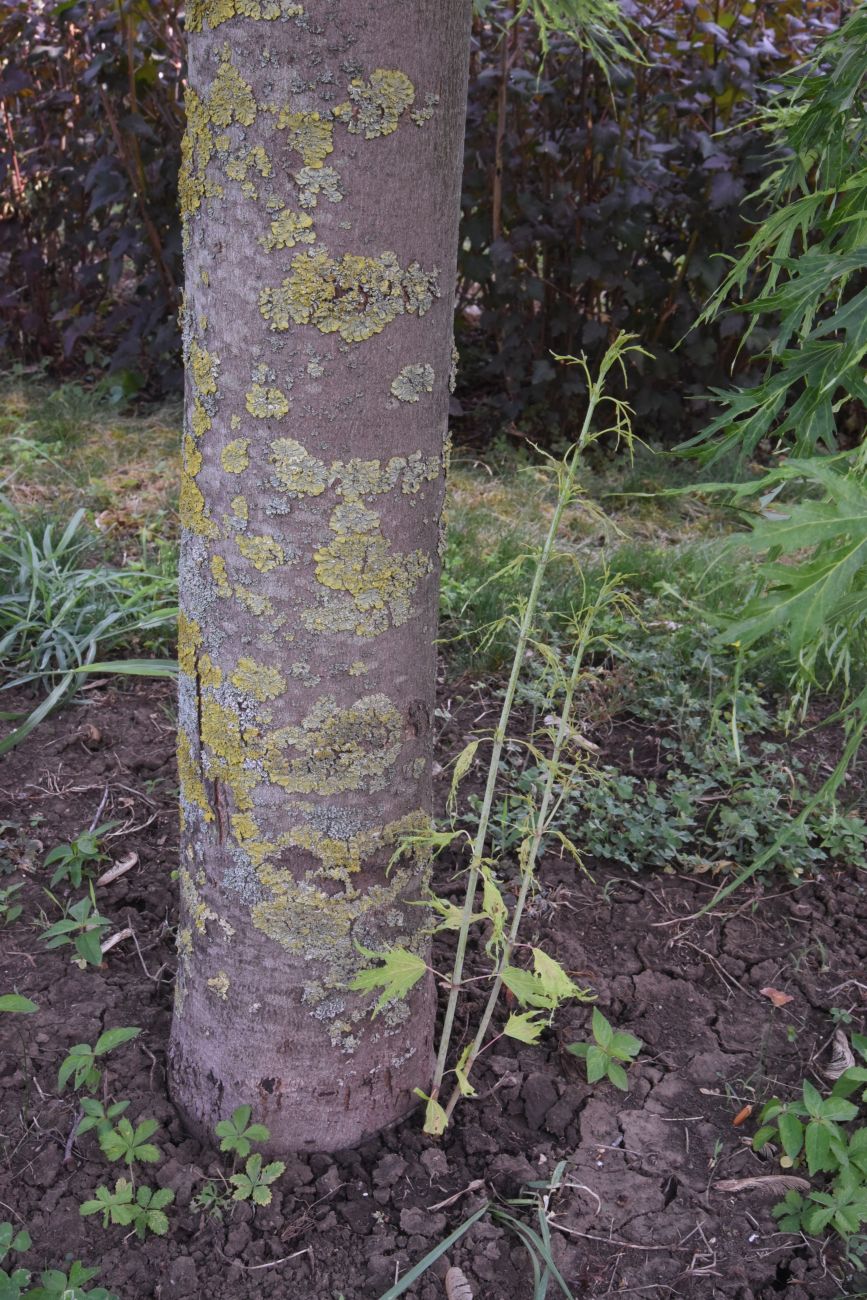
[(589, 206)]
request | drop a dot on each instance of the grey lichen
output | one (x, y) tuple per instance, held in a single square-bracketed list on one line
[(412, 381)]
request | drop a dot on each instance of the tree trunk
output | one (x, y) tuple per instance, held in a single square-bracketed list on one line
[(320, 192)]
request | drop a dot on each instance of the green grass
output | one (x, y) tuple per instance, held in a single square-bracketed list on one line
[(64, 448), (69, 448)]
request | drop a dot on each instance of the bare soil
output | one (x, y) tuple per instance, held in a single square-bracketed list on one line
[(640, 1213)]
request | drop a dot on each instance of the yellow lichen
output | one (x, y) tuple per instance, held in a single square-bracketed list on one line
[(210, 674), (239, 508), (339, 748), (197, 149), (192, 787), (234, 458), (192, 457), (266, 403), (296, 470), (192, 511), (373, 108), (189, 641), (200, 421), (289, 229), (226, 750), (379, 581), (220, 575), (258, 605), (220, 984), (203, 368), (202, 15), (230, 97), (358, 668), (310, 135), (263, 552), (259, 681), (355, 297)]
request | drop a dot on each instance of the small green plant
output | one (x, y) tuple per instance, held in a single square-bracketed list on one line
[(55, 1285), (10, 910), (80, 1064), (71, 861), (238, 1134), (82, 926), (123, 1142), (815, 1131), (11, 1283), (97, 1116), (254, 1183), (606, 1055), (212, 1200), (144, 1209)]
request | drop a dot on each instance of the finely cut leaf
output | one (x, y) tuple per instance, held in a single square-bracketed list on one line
[(463, 763), (525, 1026), (397, 974)]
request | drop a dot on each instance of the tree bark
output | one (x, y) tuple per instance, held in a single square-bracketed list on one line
[(320, 196)]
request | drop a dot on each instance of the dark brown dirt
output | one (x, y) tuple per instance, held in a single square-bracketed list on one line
[(638, 1215)]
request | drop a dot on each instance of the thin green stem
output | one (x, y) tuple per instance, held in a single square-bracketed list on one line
[(564, 496), (540, 822)]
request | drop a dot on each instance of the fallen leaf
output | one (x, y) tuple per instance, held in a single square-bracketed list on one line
[(457, 1286), (842, 1056), (779, 999), (743, 1113), (767, 1183)]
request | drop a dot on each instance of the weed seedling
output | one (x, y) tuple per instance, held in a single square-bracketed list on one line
[(80, 1065), (254, 1183), (815, 1131), (211, 1200), (71, 861), (98, 1116), (144, 1209), (603, 1057), (123, 1142), (238, 1134), (9, 910), (82, 926), (55, 1285), (12, 1283)]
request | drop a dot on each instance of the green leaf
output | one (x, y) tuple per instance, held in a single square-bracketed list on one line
[(158, 1222), (812, 1099), (525, 1026), (625, 1046), (466, 1088), (113, 1038), (817, 1146), (602, 1030), (597, 1063), (617, 1075), (463, 763), (791, 1134), (494, 909), (397, 974), (435, 1119), (14, 1002)]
